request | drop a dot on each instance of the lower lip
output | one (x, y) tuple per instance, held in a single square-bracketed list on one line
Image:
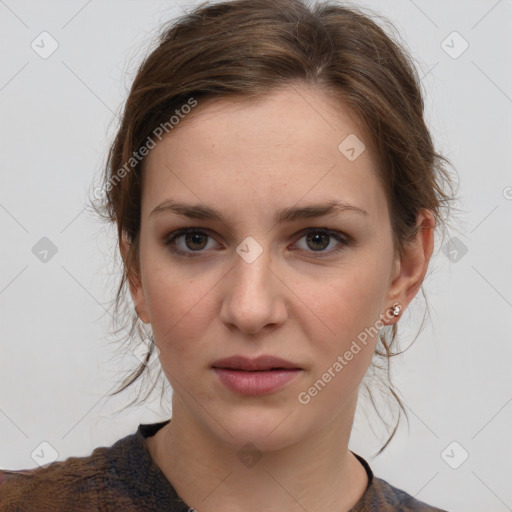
[(255, 382)]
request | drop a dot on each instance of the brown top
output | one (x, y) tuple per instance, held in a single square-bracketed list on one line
[(125, 477)]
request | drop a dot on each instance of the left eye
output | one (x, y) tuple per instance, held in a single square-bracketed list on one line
[(194, 240), (319, 239)]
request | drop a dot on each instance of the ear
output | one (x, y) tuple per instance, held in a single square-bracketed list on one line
[(410, 270), (134, 281)]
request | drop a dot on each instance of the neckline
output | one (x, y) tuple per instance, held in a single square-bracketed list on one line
[(151, 482), (159, 480), (366, 466)]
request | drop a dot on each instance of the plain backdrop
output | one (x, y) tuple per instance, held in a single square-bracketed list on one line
[(56, 357)]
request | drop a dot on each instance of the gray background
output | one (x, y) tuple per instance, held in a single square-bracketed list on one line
[(56, 359)]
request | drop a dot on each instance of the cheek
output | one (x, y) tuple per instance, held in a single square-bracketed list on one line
[(351, 300), (178, 307), (349, 303), (342, 357)]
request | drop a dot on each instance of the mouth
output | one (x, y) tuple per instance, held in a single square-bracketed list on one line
[(262, 363), (261, 376), (253, 371)]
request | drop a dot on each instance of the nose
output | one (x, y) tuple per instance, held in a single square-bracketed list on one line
[(253, 296)]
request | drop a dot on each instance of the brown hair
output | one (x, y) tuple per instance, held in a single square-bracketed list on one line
[(248, 48)]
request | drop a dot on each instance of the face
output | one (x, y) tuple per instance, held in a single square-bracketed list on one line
[(303, 287)]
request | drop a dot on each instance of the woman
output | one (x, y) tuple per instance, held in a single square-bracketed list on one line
[(276, 193)]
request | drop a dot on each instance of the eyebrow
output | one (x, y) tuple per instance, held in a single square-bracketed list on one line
[(293, 213)]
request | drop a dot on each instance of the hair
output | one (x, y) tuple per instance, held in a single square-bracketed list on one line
[(247, 48)]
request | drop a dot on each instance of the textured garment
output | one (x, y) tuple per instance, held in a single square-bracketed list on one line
[(124, 477)]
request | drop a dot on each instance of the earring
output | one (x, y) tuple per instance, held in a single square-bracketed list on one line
[(396, 309)]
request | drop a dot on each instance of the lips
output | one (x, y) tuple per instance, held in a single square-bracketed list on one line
[(263, 375), (261, 363)]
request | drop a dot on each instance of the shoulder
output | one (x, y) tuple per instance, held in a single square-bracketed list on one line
[(73, 484), (384, 497), (380, 496)]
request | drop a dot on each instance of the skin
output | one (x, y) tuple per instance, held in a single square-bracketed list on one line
[(298, 300)]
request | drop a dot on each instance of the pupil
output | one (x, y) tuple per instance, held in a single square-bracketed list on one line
[(193, 239), (316, 239)]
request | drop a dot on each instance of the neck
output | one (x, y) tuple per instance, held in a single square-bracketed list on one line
[(317, 474)]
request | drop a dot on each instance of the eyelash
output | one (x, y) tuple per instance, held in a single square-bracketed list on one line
[(171, 238)]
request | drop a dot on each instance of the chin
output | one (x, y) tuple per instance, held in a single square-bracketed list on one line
[(266, 428)]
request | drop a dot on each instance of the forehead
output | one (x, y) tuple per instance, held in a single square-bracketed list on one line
[(296, 142)]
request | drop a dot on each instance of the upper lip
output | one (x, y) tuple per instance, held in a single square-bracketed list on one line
[(264, 362)]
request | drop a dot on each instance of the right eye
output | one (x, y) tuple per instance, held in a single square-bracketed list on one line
[(185, 242)]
